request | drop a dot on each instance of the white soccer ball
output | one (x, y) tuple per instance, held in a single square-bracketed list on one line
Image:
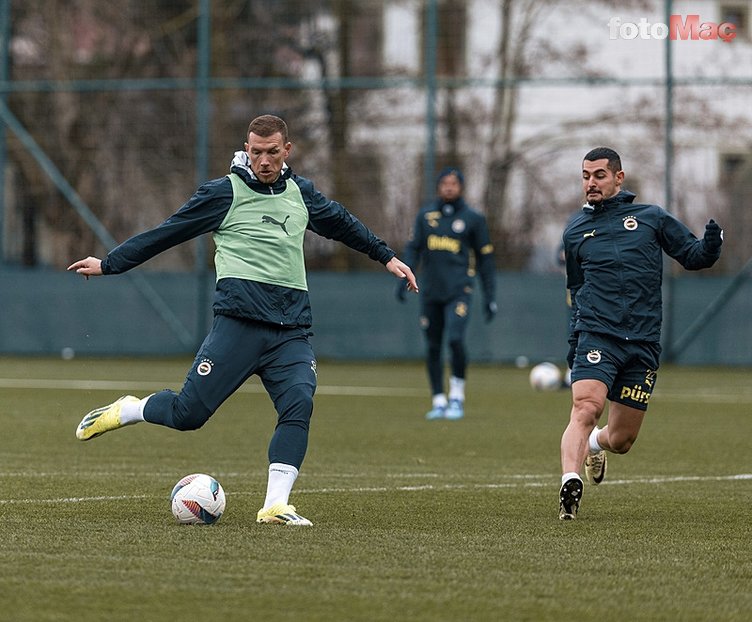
[(197, 499), (545, 377)]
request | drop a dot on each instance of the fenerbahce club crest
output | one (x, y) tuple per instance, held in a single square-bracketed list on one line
[(630, 223), (204, 368)]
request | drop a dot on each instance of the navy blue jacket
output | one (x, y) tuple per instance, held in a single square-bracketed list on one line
[(205, 211), (614, 262), (451, 241)]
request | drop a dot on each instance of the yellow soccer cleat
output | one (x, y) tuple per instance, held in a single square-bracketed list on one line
[(282, 514), (595, 467), (101, 420)]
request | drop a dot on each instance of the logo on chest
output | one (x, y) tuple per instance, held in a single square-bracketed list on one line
[(630, 223), (274, 221), (443, 243)]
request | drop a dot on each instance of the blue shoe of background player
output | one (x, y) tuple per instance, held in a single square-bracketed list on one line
[(455, 410), (437, 412)]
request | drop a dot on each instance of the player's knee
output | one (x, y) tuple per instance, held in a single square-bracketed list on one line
[(303, 397), (296, 405), (620, 443), (457, 345), (587, 410)]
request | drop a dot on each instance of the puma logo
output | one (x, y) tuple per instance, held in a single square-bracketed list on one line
[(274, 221), (589, 235)]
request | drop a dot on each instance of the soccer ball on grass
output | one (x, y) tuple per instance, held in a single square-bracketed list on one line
[(545, 377), (197, 499)]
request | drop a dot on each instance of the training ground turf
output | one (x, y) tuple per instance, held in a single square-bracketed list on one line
[(413, 520)]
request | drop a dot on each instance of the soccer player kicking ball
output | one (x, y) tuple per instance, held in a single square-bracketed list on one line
[(614, 262), (258, 214)]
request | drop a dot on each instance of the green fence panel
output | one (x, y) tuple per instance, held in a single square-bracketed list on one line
[(356, 317)]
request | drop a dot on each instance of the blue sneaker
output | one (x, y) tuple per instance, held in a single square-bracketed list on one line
[(455, 410), (437, 412)]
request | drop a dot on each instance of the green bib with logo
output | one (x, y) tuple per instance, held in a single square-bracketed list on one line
[(261, 238)]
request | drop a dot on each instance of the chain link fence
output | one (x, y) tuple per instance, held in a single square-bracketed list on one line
[(112, 114)]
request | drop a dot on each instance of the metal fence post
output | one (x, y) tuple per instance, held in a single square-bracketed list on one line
[(668, 179), (430, 37), (4, 75), (203, 122)]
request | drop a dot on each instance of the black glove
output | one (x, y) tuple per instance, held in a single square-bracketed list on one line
[(401, 291), (713, 236), (490, 309)]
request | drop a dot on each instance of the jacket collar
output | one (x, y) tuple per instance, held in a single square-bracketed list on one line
[(623, 196), (241, 166), (450, 208)]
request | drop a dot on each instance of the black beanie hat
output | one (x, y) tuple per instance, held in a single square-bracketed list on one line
[(451, 170)]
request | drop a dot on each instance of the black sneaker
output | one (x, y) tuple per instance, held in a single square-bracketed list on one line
[(569, 498)]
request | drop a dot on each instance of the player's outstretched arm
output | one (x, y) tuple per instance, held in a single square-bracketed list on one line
[(91, 266), (402, 270)]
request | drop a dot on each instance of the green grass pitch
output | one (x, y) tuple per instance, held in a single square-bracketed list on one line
[(413, 520)]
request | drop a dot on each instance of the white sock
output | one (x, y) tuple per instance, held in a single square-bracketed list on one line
[(133, 412), (593, 441), (439, 400), (567, 476), (281, 479), (456, 388)]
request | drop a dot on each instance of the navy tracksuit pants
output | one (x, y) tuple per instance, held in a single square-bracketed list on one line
[(232, 352), (439, 319)]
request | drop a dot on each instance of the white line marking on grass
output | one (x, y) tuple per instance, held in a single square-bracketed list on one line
[(148, 385), (370, 391), (738, 396), (80, 385), (680, 478), (73, 499), (536, 484), (420, 488)]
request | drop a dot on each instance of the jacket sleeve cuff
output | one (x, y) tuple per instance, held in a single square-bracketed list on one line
[(383, 254), (105, 266)]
